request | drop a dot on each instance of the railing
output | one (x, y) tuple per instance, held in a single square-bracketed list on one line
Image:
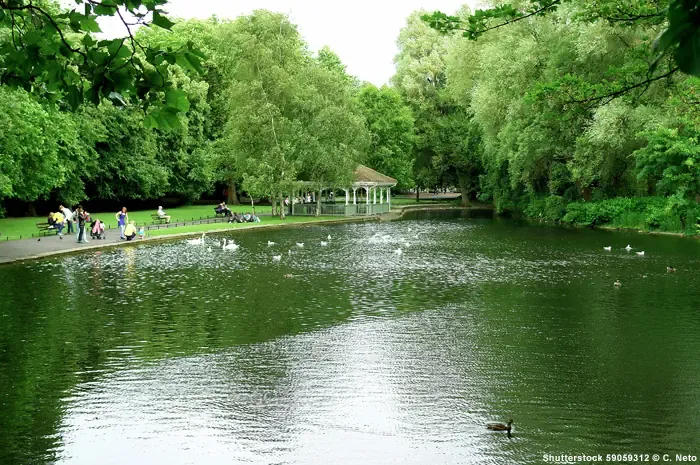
[(339, 209)]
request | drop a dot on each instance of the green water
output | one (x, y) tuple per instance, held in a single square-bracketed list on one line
[(177, 354)]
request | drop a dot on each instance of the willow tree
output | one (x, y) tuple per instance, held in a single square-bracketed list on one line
[(290, 117)]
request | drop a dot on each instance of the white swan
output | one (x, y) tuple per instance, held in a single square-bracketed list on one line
[(398, 251), (230, 245), (324, 243), (329, 237), (640, 253), (608, 248), (628, 248), (198, 241), (276, 258), (300, 244), (290, 251), (270, 243)]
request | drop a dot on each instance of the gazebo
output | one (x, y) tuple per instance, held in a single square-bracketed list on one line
[(367, 181)]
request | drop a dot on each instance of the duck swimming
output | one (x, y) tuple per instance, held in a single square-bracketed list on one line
[(617, 283), (500, 426), (670, 269), (608, 248)]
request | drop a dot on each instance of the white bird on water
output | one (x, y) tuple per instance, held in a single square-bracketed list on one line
[(628, 248), (324, 243), (329, 237), (640, 253), (198, 241), (300, 244), (230, 245), (276, 258), (608, 248), (398, 251), (270, 243)]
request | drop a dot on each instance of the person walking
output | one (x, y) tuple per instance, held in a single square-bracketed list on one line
[(122, 219)]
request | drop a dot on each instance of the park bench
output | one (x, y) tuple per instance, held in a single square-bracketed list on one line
[(158, 219), (44, 228)]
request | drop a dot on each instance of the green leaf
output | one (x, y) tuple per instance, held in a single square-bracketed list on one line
[(162, 21), (103, 10), (176, 98), (74, 97), (90, 25), (687, 55)]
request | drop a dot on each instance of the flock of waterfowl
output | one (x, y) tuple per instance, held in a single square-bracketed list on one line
[(629, 248), (231, 245)]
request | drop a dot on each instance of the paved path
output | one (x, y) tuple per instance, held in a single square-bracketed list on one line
[(22, 249)]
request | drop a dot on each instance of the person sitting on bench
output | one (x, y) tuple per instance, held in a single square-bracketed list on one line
[(162, 215)]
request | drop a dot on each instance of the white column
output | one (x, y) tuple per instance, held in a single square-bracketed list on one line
[(367, 194), (381, 195), (375, 194), (347, 197), (313, 196), (388, 196), (354, 195)]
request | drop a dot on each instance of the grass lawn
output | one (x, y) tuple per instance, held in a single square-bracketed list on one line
[(13, 228), (266, 221)]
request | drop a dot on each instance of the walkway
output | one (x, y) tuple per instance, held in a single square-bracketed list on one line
[(22, 249)]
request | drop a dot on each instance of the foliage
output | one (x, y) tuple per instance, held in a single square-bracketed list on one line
[(291, 117), (52, 52), (678, 38), (391, 126)]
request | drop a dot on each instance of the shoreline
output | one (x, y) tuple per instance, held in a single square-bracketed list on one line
[(396, 214), (166, 237), (614, 229)]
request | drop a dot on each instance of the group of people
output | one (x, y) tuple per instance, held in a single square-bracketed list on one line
[(127, 229), (222, 209), (245, 218), (76, 221)]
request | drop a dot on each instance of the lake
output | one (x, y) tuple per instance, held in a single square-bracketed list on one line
[(169, 353)]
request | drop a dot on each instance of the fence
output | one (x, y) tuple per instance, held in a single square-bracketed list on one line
[(339, 209)]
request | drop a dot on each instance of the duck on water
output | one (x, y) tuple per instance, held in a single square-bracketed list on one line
[(500, 426)]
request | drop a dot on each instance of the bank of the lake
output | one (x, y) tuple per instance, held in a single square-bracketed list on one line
[(30, 249)]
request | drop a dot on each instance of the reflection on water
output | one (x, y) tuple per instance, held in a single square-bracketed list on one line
[(180, 354)]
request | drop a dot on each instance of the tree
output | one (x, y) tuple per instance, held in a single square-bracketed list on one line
[(391, 127), (674, 48), (52, 53), (448, 146), (291, 118)]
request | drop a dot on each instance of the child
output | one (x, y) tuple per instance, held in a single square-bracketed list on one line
[(142, 233)]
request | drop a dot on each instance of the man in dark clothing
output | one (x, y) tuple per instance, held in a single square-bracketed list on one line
[(80, 213)]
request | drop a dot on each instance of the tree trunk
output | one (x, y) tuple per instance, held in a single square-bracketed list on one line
[(417, 194), (464, 188), (274, 204), (282, 207), (31, 209), (318, 204), (232, 194), (252, 204)]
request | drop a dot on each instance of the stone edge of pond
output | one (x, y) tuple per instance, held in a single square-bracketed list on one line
[(166, 237)]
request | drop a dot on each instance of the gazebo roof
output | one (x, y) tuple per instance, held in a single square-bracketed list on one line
[(365, 175)]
